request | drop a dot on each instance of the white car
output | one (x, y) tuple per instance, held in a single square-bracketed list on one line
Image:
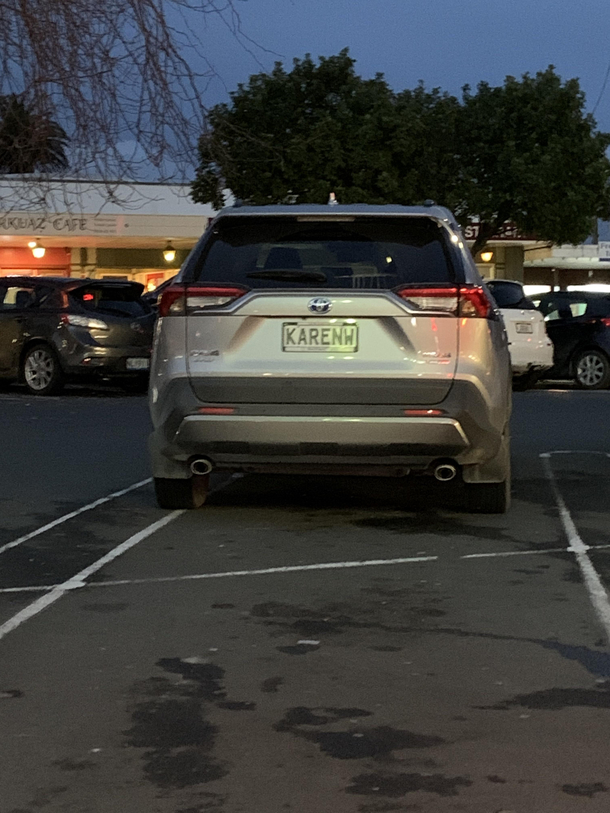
[(531, 350)]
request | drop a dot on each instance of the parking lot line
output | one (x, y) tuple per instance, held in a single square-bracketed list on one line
[(80, 578), (42, 588), (89, 507), (593, 583)]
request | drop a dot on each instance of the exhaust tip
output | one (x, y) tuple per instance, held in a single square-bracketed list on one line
[(445, 472), (201, 465)]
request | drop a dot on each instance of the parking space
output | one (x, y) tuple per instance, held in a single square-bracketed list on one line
[(310, 644)]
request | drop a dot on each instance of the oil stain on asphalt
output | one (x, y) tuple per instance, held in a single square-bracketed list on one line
[(169, 722), (360, 743)]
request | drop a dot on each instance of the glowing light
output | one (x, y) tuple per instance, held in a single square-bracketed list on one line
[(169, 253), (487, 256)]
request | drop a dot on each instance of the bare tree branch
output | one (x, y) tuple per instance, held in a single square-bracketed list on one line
[(125, 79)]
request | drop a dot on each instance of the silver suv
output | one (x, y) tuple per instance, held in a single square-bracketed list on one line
[(348, 340)]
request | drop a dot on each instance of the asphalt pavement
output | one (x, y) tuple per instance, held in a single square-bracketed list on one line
[(305, 644)]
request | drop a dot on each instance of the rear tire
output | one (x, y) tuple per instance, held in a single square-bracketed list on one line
[(41, 371), (488, 498), (182, 494), (592, 370)]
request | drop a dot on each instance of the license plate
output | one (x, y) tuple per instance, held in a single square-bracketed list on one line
[(138, 364), (320, 337), (524, 327)]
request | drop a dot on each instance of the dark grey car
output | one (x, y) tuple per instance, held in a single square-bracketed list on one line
[(56, 330)]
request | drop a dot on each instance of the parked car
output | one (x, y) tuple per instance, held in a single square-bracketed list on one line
[(531, 350), (578, 323), (330, 340), (58, 330)]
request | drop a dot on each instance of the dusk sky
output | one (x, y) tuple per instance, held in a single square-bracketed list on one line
[(444, 43)]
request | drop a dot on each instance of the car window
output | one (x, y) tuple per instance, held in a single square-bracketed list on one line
[(369, 253), (47, 298), (16, 297), (578, 308), (120, 300), (509, 295)]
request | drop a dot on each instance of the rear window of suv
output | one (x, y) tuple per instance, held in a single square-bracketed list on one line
[(120, 300), (280, 252)]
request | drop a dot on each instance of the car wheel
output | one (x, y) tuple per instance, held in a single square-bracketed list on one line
[(182, 494), (592, 370), (488, 498), (41, 371)]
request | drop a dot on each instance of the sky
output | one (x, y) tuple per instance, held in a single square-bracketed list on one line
[(445, 43)]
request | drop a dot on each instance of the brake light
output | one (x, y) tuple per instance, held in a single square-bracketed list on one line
[(474, 302), (465, 300), (606, 321), (180, 300)]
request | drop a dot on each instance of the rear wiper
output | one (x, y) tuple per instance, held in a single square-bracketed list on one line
[(290, 275)]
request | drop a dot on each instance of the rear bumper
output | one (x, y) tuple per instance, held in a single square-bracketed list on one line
[(525, 358), (87, 360), (324, 438)]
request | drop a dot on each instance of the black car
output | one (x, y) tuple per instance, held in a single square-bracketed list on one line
[(578, 324), (56, 330)]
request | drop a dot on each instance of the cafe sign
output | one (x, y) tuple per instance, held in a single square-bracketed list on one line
[(60, 224)]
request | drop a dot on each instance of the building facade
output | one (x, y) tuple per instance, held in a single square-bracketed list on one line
[(141, 232)]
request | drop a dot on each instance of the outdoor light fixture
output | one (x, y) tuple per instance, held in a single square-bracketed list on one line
[(38, 251), (169, 253), (32, 244), (487, 256)]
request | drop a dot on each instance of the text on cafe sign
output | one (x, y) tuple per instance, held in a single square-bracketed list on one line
[(61, 224)]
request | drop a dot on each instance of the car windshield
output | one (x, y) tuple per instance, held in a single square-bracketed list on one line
[(280, 252)]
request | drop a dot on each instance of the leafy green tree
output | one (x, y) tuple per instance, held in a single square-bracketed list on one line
[(29, 141), (525, 152), (317, 129), (531, 155)]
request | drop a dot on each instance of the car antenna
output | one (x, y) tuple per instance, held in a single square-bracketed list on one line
[(332, 200)]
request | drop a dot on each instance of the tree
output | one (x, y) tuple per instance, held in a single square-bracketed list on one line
[(29, 141), (524, 153), (124, 79), (532, 156), (317, 129)]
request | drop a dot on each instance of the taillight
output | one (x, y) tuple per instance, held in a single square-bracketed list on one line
[(463, 300), (180, 300), (605, 321), (431, 299), (474, 302), (83, 321)]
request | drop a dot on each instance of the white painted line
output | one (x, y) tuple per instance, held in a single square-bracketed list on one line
[(79, 580), (89, 507), (267, 571), (595, 588), (44, 588), (503, 554), (546, 455)]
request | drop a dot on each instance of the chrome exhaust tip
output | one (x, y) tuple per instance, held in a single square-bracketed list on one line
[(201, 465), (445, 472)]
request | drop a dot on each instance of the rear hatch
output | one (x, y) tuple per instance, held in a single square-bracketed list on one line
[(129, 319), (323, 310)]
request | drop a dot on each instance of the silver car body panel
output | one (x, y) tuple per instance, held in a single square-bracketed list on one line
[(330, 411)]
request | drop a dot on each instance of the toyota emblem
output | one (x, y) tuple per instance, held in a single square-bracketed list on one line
[(320, 305)]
